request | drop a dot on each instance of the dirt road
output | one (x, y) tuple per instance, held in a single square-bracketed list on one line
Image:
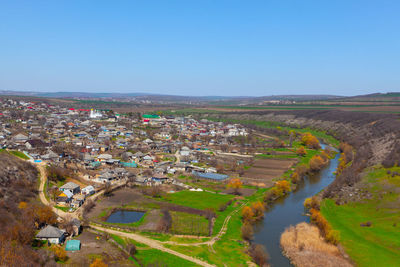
[(43, 179), (151, 243)]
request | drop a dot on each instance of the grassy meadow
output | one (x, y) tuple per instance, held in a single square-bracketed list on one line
[(379, 244)]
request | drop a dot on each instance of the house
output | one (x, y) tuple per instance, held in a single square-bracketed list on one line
[(159, 178), (104, 157), (73, 187), (20, 138), (35, 143), (50, 156), (64, 198), (88, 190), (51, 234), (77, 201)]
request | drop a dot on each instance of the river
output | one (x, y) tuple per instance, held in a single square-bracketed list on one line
[(290, 211)]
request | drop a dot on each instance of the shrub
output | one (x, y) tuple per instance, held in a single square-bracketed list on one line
[(236, 184), (301, 151), (258, 254), (60, 253), (311, 203), (310, 141), (131, 248), (316, 163), (247, 231), (283, 186), (98, 263), (247, 214), (327, 232), (258, 209)]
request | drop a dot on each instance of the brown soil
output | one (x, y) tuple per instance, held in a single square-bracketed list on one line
[(95, 244), (305, 247), (265, 170), (243, 191)]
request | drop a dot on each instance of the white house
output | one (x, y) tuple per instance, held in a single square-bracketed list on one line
[(52, 234), (88, 190)]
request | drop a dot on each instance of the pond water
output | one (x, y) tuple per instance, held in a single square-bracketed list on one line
[(124, 216), (290, 211)]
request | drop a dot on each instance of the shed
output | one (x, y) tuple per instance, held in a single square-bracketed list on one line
[(73, 245)]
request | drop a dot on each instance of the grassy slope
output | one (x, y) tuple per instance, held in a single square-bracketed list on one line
[(378, 245), (19, 154)]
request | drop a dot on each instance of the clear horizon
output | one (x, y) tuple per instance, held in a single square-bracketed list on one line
[(201, 48)]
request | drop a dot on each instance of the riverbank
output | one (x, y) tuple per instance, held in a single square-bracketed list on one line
[(305, 247)]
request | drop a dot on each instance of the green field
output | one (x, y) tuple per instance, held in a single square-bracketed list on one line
[(198, 200), (188, 224), (378, 245), (154, 257)]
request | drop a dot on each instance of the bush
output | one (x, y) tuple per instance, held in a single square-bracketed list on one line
[(316, 163), (247, 214), (60, 253), (98, 263), (131, 248), (247, 231), (258, 254), (310, 141), (301, 151), (327, 232)]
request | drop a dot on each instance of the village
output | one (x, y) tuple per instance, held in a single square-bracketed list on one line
[(85, 151), (157, 179)]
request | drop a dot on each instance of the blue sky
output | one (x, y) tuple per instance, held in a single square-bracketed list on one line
[(204, 47)]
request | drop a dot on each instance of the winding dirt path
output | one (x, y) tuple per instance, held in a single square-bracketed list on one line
[(43, 179), (152, 243)]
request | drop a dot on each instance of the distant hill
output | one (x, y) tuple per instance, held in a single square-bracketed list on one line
[(168, 98)]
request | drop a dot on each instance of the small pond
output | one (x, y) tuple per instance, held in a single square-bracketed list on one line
[(125, 216)]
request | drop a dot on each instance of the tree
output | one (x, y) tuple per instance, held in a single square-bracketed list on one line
[(310, 141), (247, 231), (98, 263), (316, 163), (107, 189), (54, 192), (22, 205), (295, 177), (131, 248), (45, 215), (258, 209), (236, 184), (60, 254), (258, 254), (283, 186), (247, 214), (301, 151)]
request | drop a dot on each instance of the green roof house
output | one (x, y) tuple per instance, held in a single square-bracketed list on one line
[(73, 245), (150, 116)]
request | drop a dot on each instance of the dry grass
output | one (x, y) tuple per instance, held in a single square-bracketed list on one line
[(304, 245)]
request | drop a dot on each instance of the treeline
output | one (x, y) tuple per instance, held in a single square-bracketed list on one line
[(326, 230), (250, 215)]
